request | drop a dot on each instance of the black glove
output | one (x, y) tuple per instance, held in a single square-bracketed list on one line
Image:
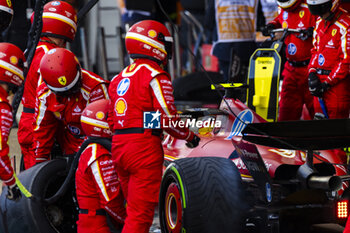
[(316, 87), (306, 33), (194, 142), (266, 31), (13, 193)]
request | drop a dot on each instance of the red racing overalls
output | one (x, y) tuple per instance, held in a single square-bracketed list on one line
[(330, 59), (25, 125), (6, 170), (295, 91), (140, 88), (98, 190), (58, 117)]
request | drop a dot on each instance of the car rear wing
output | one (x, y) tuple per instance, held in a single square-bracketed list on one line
[(300, 135)]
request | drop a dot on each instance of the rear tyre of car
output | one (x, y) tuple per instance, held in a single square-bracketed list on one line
[(43, 181), (202, 195)]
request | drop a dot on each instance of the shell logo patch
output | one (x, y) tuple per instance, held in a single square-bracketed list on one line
[(62, 80), (301, 14), (14, 60), (100, 115), (334, 31), (284, 24), (152, 33), (9, 3), (120, 107), (276, 46)]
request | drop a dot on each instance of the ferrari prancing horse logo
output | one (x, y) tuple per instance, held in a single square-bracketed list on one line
[(62, 80), (334, 31), (301, 14)]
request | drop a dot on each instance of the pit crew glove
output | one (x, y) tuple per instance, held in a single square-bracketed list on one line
[(316, 87), (306, 33), (194, 142), (13, 193), (266, 31)]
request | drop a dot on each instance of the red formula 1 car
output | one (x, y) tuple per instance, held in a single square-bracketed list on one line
[(291, 181)]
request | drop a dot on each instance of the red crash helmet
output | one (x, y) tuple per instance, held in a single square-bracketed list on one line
[(6, 14), (320, 7), (149, 39), (59, 20), (12, 64), (60, 70), (288, 4), (94, 119)]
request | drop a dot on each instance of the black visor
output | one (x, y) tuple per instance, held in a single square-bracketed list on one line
[(167, 44), (5, 20), (320, 9)]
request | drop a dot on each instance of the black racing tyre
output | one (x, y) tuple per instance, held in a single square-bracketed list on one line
[(42, 180), (202, 195), (197, 87)]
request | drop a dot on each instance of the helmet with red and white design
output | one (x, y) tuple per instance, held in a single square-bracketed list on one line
[(321, 7), (6, 14), (59, 20), (60, 70), (149, 39), (94, 119), (288, 4), (12, 64)]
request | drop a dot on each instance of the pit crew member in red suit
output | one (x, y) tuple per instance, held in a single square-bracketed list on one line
[(97, 185), (12, 63), (61, 97), (329, 79), (141, 87), (295, 90), (59, 26)]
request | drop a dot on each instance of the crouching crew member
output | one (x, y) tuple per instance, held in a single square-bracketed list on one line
[(59, 26), (97, 185), (143, 88), (60, 100), (12, 63)]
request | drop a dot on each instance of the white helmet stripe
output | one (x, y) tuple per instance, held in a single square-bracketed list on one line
[(7, 9), (60, 18), (316, 2), (145, 39), (12, 68), (66, 88), (94, 122)]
